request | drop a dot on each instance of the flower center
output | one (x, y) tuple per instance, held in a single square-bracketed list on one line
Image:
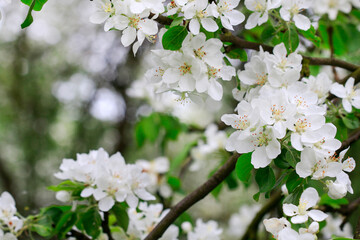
[(302, 208), (301, 125), (259, 7), (184, 69), (242, 123), (200, 53), (134, 21), (261, 79), (212, 72), (277, 112), (108, 8), (295, 10), (262, 139)]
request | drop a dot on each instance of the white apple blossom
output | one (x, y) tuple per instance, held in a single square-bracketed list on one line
[(7, 236), (143, 221), (276, 110), (289, 233), (300, 214), (291, 9), (104, 10), (276, 225), (340, 187), (209, 231), (316, 165), (260, 10), (228, 15), (322, 140), (301, 125), (256, 72), (320, 85), (8, 216), (349, 164), (350, 95), (331, 7), (198, 12)]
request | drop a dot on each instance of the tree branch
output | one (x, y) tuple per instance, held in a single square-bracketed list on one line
[(357, 230), (105, 226), (241, 43), (193, 197)]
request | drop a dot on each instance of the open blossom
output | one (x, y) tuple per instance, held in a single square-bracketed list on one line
[(228, 15), (104, 10), (143, 221), (331, 7), (260, 10), (340, 187), (300, 214), (289, 233), (291, 10), (317, 165), (320, 85), (332, 228), (350, 95), (275, 225), (209, 230), (199, 13), (7, 216), (256, 72)]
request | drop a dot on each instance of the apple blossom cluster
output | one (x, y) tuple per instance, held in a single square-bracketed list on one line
[(281, 228), (192, 70), (107, 178), (143, 221), (10, 223)]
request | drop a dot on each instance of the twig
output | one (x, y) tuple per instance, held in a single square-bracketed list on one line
[(105, 226), (251, 232), (241, 43), (193, 197)]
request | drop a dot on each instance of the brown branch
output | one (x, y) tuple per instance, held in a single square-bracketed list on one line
[(193, 198), (355, 75), (241, 43), (251, 232), (105, 226)]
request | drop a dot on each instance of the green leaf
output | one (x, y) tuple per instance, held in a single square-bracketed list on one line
[(174, 182), (342, 131), (268, 33), (311, 35), (119, 210), (293, 181), (291, 39), (65, 223), (281, 161), (340, 238), (173, 38), (91, 221), (256, 196), (334, 203), (265, 178), (294, 196), (42, 226), (179, 159), (38, 4), (351, 121), (67, 185), (243, 167), (33, 5), (238, 53), (231, 181), (292, 157), (176, 21)]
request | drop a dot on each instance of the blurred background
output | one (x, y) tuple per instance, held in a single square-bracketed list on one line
[(68, 87)]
